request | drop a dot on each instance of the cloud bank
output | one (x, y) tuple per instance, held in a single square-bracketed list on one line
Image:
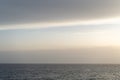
[(18, 12)]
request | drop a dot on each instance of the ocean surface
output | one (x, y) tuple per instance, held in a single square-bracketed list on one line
[(59, 72)]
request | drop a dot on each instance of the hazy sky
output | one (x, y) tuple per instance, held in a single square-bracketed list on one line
[(59, 31)]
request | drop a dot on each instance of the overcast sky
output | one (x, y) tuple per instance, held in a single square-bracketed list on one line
[(59, 31)]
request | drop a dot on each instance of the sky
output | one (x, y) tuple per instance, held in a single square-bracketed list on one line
[(60, 31)]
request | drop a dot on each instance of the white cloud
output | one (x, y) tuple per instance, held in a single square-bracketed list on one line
[(60, 24)]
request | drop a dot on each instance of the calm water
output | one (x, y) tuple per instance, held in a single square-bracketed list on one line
[(59, 72)]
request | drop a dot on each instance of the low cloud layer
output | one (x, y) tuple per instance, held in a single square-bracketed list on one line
[(30, 11)]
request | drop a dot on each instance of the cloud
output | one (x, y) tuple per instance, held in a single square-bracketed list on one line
[(56, 11), (61, 24)]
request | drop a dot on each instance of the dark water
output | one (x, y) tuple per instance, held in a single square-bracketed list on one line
[(59, 72)]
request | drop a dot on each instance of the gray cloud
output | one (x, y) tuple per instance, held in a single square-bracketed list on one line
[(26, 11)]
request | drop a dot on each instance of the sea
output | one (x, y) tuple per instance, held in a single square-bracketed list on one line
[(59, 72)]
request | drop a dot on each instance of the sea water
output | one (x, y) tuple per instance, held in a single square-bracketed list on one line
[(59, 72)]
